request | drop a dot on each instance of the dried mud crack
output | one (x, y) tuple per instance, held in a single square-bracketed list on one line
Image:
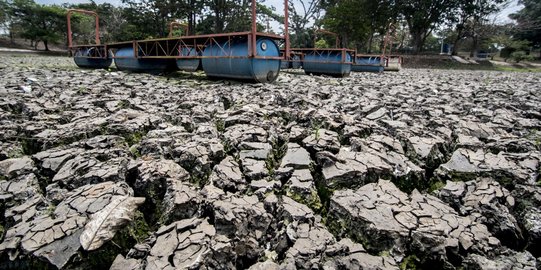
[(418, 169)]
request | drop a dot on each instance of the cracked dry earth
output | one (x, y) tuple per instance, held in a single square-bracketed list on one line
[(425, 169)]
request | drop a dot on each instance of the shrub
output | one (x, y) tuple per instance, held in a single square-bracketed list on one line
[(521, 56)]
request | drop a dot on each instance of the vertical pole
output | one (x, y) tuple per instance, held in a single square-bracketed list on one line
[(97, 29), (254, 29), (69, 29), (286, 28), (385, 40)]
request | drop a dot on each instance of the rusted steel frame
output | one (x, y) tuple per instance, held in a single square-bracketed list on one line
[(119, 44), (388, 39), (286, 29), (327, 62), (140, 48), (173, 23), (182, 45), (160, 46), (250, 42), (382, 58), (220, 46), (99, 51), (175, 48), (135, 54), (321, 49), (198, 38), (68, 15), (320, 52), (213, 57), (206, 36), (253, 34)]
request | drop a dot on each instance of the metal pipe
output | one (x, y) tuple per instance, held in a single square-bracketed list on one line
[(254, 28), (387, 39), (286, 28), (87, 12)]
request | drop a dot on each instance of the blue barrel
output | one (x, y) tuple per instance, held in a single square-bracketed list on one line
[(296, 63), (318, 64), (253, 69), (82, 61), (368, 64), (189, 65), (124, 60)]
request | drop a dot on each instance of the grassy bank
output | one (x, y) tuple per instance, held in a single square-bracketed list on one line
[(445, 62)]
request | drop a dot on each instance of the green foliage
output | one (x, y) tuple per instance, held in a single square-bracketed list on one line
[(528, 21), (138, 228), (422, 18), (469, 19), (4, 13), (50, 211), (134, 137), (220, 125), (45, 23), (347, 19), (15, 153), (30, 146), (361, 24), (135, 151), (321, 44), (325, 194), (409, 262), (519, 56), (436, 186)]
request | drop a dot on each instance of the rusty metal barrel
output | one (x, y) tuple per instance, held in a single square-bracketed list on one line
[(83, 59), (126, 60), (230, 59)]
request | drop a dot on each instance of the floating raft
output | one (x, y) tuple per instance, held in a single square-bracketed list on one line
[(332, 62), (231, 56), (92, 58), (368, 64), (393, 63), (230, 59), (126, 60)]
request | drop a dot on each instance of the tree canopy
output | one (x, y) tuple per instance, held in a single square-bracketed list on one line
[(361, 24), (529, 21)]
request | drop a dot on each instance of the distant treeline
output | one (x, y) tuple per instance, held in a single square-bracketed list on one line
[(417, 25)]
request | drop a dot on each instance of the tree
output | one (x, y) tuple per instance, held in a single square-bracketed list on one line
[(4, 10), (502, 39), (381, 13), (346, 19), (529, 21), (301, 14), (422, 17), (39, 22), (468, 16), (5, 19), (360, 22)]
